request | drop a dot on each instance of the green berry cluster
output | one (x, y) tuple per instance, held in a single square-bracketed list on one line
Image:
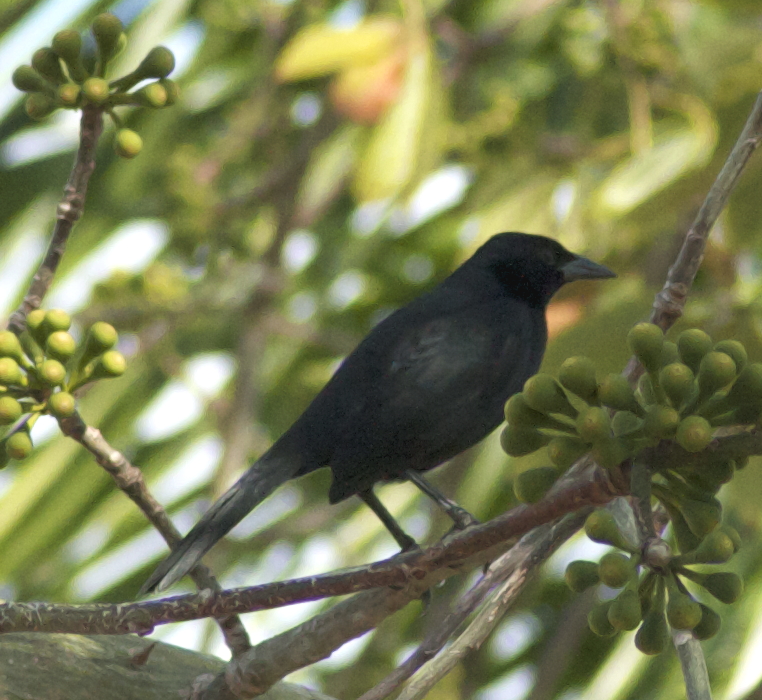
[(59, 77), (689, 388), (40, 370), (653, 595)]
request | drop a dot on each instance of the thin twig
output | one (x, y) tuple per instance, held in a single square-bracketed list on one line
[(68, 212), (435, 640), (498, 572), (533, 550), (693, 665), (129, 479), (266, 663), (670, 301)]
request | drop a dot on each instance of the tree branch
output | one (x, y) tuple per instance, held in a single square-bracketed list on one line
[(693, 665), (533, 550), (670, 301), (266, 663), (68, 212), (514, 565), (128, 668), (129, 479), (467, 548)]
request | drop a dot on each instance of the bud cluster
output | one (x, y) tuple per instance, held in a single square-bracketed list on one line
[(653, 593), (689, 388), (40, 370), (60, 77)]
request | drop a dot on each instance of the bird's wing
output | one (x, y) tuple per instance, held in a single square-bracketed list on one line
[(435, 391)]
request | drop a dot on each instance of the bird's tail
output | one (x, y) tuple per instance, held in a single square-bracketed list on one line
[(263, 477)]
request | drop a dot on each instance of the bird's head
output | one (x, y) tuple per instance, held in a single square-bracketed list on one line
[(534, 267)]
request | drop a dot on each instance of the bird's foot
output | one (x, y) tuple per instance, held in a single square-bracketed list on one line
[(462, 518)]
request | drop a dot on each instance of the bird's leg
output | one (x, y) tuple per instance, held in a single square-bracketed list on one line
[(460, 516), (403, 539)]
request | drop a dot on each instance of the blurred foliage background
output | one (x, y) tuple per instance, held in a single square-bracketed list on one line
[(326, 163)]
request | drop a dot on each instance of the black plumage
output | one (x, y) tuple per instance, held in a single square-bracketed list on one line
[(425, 384)]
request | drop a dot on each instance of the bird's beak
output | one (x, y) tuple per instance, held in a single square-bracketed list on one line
[(583, 269)]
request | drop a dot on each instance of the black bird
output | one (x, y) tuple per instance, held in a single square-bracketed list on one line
[(425, 384)]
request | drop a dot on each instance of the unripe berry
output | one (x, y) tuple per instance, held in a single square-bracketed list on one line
[(127, 143), (68, 94), (10, 410), (732, 533), (518, 442), (710, 624), (736, 351), (580, 575), (609, 452), (625, 423), (646, 341), (18, 445), (530, 486), (152, 95), (715, 548), (96, 90), (68, 44), (653, 635), (543, 393), (615, 569), (716, 370), (600, 526), (683, 613), (172, 90), (110, 364), (56, 320), (598, 620), (748, 386), (45, 62), (577, 374), (693, 344), (723, 585), (677, 380), (27, 79), (661, 421), (615, 392), (10, 372), (593, 425), (34, 321), (519, 414), (52, 373), (39, 106), (107, 29), (625, 612), (565, 451), (10, 345), (701, 516), (60, 346), (101, 337), (62, 404), (158, 63), (694, 433)]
